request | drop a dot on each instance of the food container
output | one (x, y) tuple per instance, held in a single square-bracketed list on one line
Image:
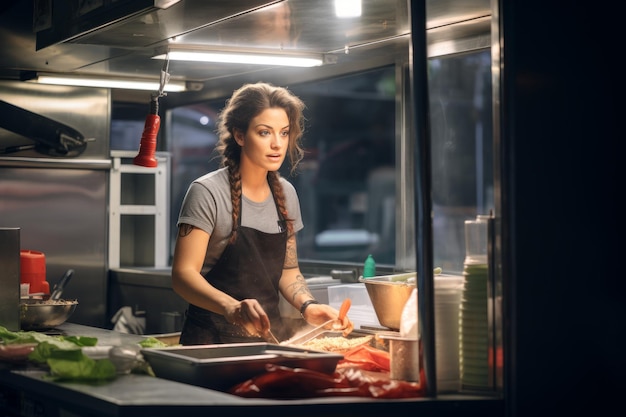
[(33, 271), (404, 358), (40, 314), (389, 294), (222, 366), (334, 341), (170, 339)]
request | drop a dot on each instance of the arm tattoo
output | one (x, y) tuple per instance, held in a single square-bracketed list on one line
[(299, 287), (291, 254), (185, 230)]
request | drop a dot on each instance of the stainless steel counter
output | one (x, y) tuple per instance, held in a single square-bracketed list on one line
[(24, 391)]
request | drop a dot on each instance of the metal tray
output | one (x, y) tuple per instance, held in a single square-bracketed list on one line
[(309, 337), (222, 366)]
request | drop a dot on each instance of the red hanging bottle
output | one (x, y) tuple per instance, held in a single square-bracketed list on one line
[(147, 146)]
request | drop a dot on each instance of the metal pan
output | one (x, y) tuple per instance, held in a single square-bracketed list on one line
[(222, 366)]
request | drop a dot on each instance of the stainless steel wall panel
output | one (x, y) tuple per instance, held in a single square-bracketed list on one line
[(9, 277), (61, 204), (85, 109), (62, 213)]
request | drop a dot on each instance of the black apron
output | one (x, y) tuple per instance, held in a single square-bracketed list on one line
[(250, 267)]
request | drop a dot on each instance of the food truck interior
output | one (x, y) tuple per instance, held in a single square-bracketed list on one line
[(423, 117)]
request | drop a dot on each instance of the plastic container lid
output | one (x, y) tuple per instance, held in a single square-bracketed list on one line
[(32, 262)]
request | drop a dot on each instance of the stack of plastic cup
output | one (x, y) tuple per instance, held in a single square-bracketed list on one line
[(473, 317)]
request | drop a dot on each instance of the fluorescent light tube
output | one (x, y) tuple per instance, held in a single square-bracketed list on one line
[(347, 8), (108, 83), (242, 58)]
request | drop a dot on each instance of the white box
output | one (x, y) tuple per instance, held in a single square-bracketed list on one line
[(361, 311)]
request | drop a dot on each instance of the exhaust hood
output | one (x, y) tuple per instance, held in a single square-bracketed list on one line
[(51, 137), (66, 21), (129, 23)]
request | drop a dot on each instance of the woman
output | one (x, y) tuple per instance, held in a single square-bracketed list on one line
[(236, 244)]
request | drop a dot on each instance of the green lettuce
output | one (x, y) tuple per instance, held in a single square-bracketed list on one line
[(152, 342), (81, 368), (63, 355)]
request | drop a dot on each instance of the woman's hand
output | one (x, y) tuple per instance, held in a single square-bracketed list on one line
[(250, 315), (317, 314)]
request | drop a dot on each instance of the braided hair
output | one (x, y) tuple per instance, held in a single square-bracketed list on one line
[(245, 104)]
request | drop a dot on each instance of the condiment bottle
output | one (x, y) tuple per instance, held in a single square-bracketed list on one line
[(369, 268)]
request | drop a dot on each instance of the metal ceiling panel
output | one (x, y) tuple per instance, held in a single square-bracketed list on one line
[(125, 46), (305, 26)]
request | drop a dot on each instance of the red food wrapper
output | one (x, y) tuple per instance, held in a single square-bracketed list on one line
[(364, 372), (367, 358)]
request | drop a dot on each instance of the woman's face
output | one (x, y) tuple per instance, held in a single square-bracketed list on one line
[(265, 142)]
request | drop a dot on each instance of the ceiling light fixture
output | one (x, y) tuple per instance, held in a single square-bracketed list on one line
[(254, 58), (102, 82), (347, 8)]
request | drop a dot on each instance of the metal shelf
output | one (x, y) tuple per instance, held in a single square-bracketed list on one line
[(138, 212)]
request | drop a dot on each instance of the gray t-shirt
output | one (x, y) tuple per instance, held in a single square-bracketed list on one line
[(207, 206)]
